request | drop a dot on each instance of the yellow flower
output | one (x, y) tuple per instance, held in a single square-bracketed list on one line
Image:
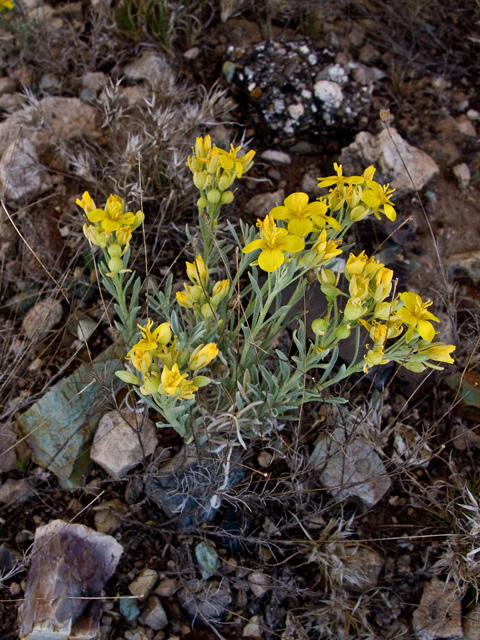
[(150, 339), (96, 235), (362, 265), (438, 351), (230, 162), (112, 217), (383, 282), (6, 4), (174, 383), (339, 179), (197, 272), (124, 235), (414, 314), (202, 356), (273, 242), (321, 252), (302, 214), (220, 290), (142, 360), (378, 196), (86, 203), (374, 357)]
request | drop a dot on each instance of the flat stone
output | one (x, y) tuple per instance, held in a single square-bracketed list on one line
[(68, 560), (350, 468), (41, 318), (439, 614), (61, 424), (387, 157), (154, 615), (122, 441), (21, 175)]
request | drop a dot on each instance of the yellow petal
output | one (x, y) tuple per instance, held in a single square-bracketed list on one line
[(270, 259), (300, 226), (255, 244)]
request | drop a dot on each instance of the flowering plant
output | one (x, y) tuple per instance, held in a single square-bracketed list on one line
[(218, 364)]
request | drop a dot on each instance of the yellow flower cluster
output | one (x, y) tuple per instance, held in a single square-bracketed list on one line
[(370, 284), (164, 367), (110, 228), (361, 195), (215, 170), (201, 295), (6, 4), (351, 199)]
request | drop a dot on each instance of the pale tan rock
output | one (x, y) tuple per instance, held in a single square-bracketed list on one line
[(471, 624), (259, 583), (121, 442), (41, 318), (143, 584), (439, 614), (263, 203), (363, 568), (386, 154), (21, 175)]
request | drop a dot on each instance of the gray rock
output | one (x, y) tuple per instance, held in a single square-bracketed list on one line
[(94, 81), (139, 633), (154, 615), (471, 624), (122, 441), (439, 614), (21, 175), (41, 318), (7, 85), (350, 468), (60, 425), (208, 601), (363, 568), (68, 560), (259, 582), (185, 488), (387, 157), (8, 439), (278, 157), (261, 204), (15, 491), (154, 68), (462, 174)]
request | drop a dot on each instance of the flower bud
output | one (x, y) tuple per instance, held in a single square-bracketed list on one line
[(320, 326), (199, 179), (115, 265), (201, 203), (343, 331), (202, 356), (206, 310), (327, 276), (213, 196), (115, 251), (150, 385), (354, 309), (225, 181), (227, 197), (220, 289)]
